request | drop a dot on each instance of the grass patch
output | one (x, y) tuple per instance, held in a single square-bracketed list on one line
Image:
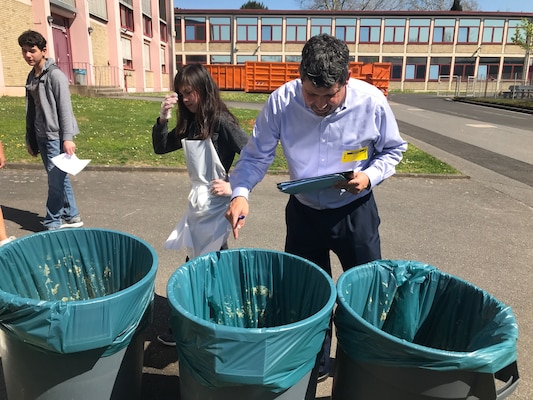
[(225, 95), (519, 103), (119, 132)]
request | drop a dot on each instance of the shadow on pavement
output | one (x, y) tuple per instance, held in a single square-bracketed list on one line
[(28, 221), (158, 357)]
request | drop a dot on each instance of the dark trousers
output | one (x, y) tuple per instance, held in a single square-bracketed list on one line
[(351, 232)]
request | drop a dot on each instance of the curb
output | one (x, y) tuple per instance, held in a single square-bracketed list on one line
[(494, 105), (127, 168)]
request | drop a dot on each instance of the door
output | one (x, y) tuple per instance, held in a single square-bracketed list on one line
[(62, 46)]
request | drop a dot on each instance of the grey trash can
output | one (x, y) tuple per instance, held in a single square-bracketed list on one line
[(249, 324), (73, 305), (407, 331), (80, 76)]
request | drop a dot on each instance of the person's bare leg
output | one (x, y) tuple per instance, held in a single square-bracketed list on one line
[(3, 233)]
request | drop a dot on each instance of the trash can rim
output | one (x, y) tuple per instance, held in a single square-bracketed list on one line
[(31, 301), (327, 308), (342, 302)]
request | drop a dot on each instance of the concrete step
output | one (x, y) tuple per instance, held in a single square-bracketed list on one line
[(107, 91)]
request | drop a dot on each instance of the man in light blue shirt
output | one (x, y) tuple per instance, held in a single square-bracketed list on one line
[(326, 123)]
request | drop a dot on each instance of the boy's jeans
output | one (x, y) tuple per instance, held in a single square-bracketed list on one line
[(61, 204)]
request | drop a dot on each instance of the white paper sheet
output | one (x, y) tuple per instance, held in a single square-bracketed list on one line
[(69, 164)]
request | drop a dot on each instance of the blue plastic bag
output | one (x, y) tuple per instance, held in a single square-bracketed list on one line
[(250, 317), (73, 290), (406, 313)]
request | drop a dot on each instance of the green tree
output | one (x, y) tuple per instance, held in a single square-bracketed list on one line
[(254, 5), (523, 37)]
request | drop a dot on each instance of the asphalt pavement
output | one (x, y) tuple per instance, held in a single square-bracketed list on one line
[(477, 226)]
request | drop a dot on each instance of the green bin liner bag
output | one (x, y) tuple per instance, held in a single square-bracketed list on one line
[(250, 317), (73, 290), (407, 313)]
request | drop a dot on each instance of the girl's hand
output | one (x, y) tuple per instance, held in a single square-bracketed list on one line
[(219, 187), (166, 107)]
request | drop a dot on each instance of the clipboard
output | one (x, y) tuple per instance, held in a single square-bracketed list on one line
[(311, 184)]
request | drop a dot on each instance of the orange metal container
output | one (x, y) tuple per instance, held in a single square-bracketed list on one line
[(265, 77), (228, 76), (357, 69)]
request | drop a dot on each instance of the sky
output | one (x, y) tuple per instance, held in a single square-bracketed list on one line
[(485, 5)]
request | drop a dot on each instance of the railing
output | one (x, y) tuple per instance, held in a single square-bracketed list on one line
[(85, 74)]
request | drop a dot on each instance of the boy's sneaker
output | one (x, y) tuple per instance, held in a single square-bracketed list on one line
[(75, 222)]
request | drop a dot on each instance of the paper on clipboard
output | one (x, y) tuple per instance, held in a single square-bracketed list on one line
[(69, 164), (311, 184)]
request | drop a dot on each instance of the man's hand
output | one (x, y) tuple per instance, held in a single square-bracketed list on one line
[(356, 184), (236, 214)]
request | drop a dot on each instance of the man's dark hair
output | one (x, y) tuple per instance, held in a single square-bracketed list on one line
[(325, 61), (31, 38)]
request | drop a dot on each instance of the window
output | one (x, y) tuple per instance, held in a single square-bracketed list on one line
[(493, 31), (196, 59), (513, 30), (296, 29), (345, 29), (243, 59), (220, 60), (146, 57), (368, 59), (163, 31), (396, 67), (247, 29), (293, 59), (195, 29), (220, 29), (468, 31), (271, 30), (513, 68), (126, 17), (163, 56), (146, 7), (415, 68), (439, 66), (147, 26), (320, 25), (464, 67), (271, 58), (488, 68), (127, 61), (163, 10), (370, 30), (419, 31), (98, 8), (443, 30), (394, 31)]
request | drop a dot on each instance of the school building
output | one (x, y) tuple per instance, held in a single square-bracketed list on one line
[(117, 45), (428, 51), (138, 45)]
